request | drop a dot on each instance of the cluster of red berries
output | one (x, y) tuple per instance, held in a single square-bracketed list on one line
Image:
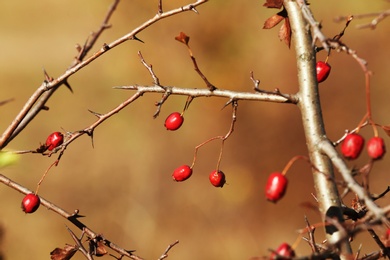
[(182, 173), (353, 144)]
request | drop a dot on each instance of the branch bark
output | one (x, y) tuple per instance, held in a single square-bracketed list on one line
[(310, 107)]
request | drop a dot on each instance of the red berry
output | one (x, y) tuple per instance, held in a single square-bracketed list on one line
[(54, 140), (30, 203), (323, 70), (182, 173), (174, 121), (217, 178), (376, 148), (387, 235), (276, 186), (284, 251), (352, 146)]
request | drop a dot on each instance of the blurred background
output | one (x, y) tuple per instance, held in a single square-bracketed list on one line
[(123, 185)]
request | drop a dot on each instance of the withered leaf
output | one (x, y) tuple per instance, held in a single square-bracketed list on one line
[(273, 4), (275, 19), (182, 37), (100, 249), (285, 32), (272, 21), (65, 253)]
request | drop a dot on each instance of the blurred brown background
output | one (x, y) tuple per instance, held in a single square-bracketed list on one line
[(124, 184)]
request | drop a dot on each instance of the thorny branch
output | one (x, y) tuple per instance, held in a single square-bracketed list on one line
[(43, 93), (55, 83), (73, 218), (37, 101)]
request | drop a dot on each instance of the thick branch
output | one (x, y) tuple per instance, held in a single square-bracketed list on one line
[(309, 104)]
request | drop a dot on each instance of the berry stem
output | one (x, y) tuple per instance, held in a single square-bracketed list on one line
[(292, 161), (223, 138), (44, 175), (362, 123), (327, 57), (187, 104), (368, 95)]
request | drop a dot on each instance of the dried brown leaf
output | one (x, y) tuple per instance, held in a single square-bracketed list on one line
[(285, 32), (100, 249), (182, 37), (275, 19), (273, 4), (96, 247), (65, 253), (272, 21)]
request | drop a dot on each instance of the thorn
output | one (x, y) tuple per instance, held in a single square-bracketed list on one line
[(6, 101), (91, 135), (228, 103), (137, 39), (46, 108), (95, 114), (192, 8), (130, 251), (47, 77), (68, 86), (76, 214)]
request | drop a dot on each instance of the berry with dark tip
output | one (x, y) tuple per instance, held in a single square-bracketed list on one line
[(30, 203), (217, 178)]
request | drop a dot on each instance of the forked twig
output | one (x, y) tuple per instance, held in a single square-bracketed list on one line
[(21, 118)]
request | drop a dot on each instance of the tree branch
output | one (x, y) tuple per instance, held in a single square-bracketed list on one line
[(275, 97), (310, 107), (55, 83), (73, 218)]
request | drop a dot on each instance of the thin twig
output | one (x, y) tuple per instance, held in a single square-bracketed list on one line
[(379, 17), (165, 254)]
